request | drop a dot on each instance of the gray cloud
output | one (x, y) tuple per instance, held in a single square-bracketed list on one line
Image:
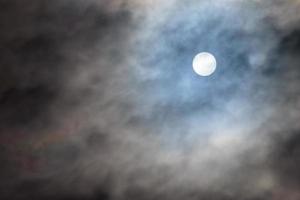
[(99, 101)]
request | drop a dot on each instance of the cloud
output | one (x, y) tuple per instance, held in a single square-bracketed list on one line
[(98, 100)]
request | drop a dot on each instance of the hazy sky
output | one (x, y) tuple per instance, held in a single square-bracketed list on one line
[(98, 100)]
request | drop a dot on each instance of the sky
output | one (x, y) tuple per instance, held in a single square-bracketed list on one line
[(99, 100)]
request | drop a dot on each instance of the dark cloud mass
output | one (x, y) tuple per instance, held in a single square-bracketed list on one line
[(98, 100)]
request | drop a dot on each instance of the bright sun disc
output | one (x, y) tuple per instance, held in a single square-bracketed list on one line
[(204, 64)]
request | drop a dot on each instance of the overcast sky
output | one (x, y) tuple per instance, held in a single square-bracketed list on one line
[(98, 100)]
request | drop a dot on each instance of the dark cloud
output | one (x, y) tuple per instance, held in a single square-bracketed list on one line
[(42, 43)]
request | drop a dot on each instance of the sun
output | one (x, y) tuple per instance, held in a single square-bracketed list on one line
[(204, 64)]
